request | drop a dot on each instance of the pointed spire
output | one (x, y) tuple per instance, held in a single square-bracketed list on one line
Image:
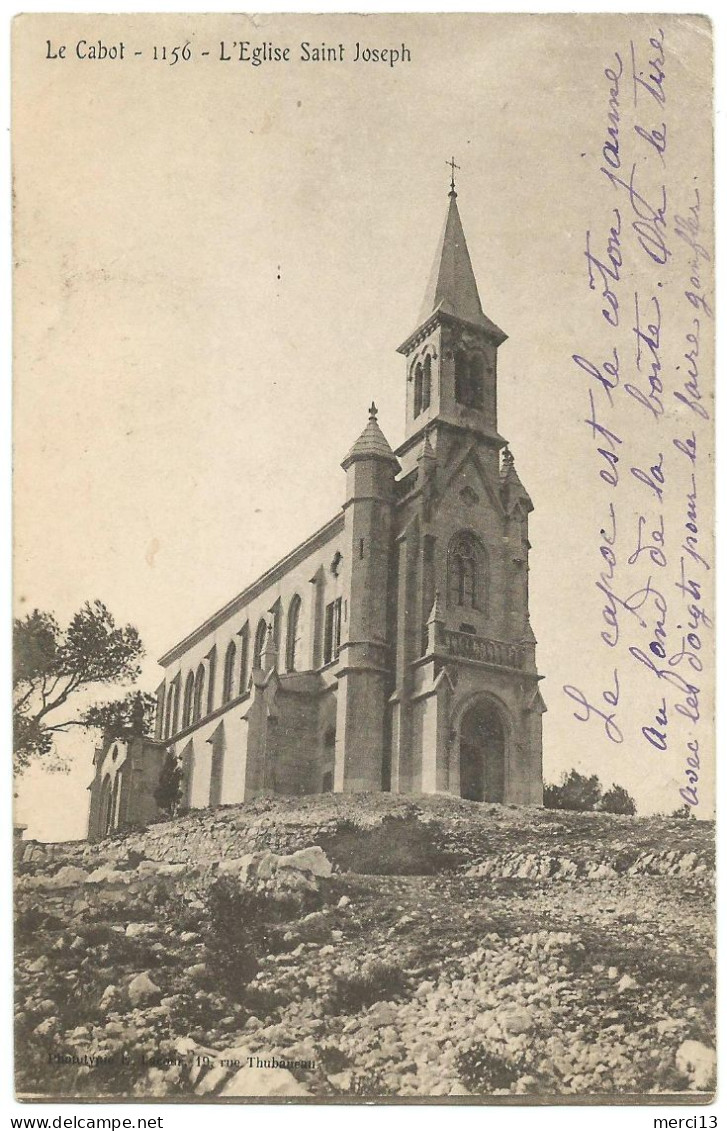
[(371, 444), (427, 457), (452, 286), (269, 656), (436, 616), (510, 481), (435, 626)]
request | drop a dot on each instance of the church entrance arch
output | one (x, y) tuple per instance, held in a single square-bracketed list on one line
[(482, 740)]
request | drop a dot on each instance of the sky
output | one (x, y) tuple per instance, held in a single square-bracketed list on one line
[(215, 264)]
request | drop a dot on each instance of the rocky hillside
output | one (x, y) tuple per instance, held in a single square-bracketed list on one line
[(369, 946)]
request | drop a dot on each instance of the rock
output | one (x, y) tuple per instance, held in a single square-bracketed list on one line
[(312, 860), (264, 1082), (136, 930), (698, 1062), (39, 965), (147, 867), (516, 1021), (381, 1014), (69, 876), (110, 995), (142, 989), (233, 865), (667, 1025), (267, 866), (46, 1027), (603, 871), (626, 983), (212, 1080), (341, 1081), (106, 875), (343, 902)]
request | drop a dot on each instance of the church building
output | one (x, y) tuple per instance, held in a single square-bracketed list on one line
[(393, 649)]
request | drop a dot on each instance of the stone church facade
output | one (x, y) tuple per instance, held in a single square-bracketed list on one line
[(393, 649)]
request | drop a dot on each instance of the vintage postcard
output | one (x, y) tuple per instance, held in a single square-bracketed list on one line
[(364, 563)]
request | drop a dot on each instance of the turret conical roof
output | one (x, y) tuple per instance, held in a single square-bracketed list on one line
[(371, 444)]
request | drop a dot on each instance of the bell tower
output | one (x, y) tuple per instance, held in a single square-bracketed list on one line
[(466, 710), (452, 354)]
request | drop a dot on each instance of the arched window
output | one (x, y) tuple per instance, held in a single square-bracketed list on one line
[(275, 613), (199, 693), (468, 379), (170, 711), (466, 568), (188, 700), (228, 681), (418, 379), (292, 639), (427, 383), (260, 634), (244, 635)]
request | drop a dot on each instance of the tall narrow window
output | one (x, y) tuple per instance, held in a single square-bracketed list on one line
[(469, 379), (477, 381), (171, 696), (418, 376), (229, 676), (466, 565), (293, 637), (461, 378), (332, 631), (427, 383), (260, 634), (211, 672), (199, 694), (275, 613), (244, 635), (188, 700)]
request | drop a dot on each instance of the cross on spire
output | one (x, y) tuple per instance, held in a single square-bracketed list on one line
[(452, 166)]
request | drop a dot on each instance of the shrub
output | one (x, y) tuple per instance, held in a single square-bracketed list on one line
[(242, 926), (168, 792), (683, 813), (617, 800), (575, 791), (399, 846), (377, 980), (483, 1071), (585, 795)]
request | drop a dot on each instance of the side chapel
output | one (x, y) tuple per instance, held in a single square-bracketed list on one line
[(393, 649)]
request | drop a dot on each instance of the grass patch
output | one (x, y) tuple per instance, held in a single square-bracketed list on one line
[(376, 980), (484, 1072), (399, 846)]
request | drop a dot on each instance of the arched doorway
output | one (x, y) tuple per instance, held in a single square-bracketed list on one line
[(482, 754)]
